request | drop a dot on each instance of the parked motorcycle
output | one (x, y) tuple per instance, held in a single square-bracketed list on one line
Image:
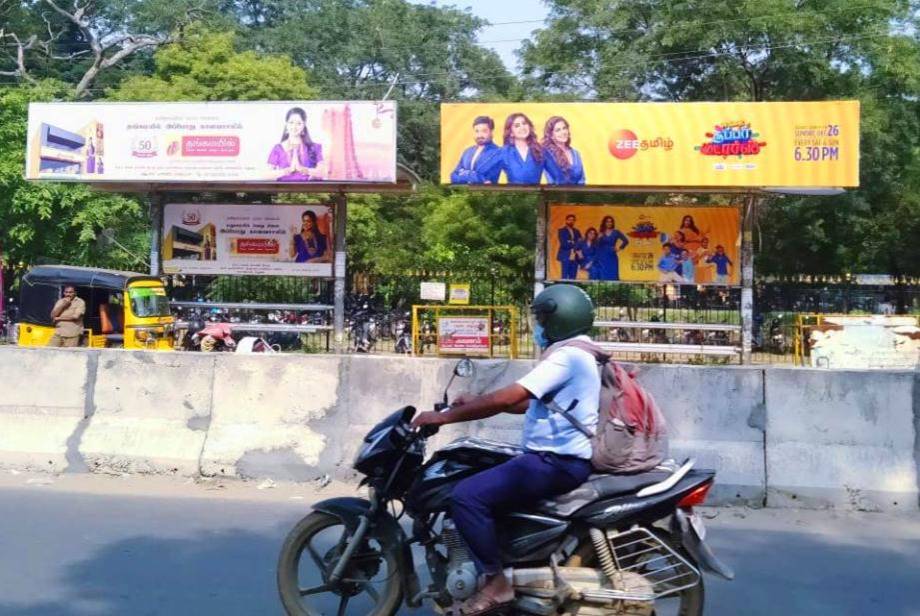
[(618, 544), (364, 330), (777, 336), (403, 334)]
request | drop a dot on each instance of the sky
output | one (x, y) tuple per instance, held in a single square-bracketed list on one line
[(503, 37)]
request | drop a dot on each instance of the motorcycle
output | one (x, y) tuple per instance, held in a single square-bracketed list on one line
[(618, 544), (777, 336), (403, 335), (364, 330)]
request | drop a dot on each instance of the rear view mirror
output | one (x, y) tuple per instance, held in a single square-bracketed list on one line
[(464, 368)]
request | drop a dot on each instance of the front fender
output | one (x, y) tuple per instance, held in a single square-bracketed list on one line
[(350, 509)]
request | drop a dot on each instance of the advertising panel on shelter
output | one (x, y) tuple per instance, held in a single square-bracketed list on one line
[(669, 244), (263, 240), (463, 335), (788, 144), (232, 142)]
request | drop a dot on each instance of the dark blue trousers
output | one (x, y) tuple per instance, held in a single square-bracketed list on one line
[(478, 500), (569, 270)]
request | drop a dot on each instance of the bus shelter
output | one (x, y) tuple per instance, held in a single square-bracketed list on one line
[(211, 173), (727, 155)]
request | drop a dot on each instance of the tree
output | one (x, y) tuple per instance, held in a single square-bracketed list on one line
[(767, 50), (205, 66), (87, 38), (359, 49), (54, 221), (442, 229)]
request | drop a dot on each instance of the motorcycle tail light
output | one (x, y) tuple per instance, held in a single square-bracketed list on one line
[(696, 497)]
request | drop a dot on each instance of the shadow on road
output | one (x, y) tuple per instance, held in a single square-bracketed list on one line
[(231, 572), (226, 572)]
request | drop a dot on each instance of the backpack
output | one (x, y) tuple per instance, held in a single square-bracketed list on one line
[(631, 434)]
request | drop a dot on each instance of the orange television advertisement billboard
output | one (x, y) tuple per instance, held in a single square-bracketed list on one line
[(787, 144), (669, 244)]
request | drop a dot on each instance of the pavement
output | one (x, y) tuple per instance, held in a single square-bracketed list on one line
[(141, 545)]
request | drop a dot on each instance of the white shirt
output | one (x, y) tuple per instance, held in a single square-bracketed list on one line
[(571, 373)]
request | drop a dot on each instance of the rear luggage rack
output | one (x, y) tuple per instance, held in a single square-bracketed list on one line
[(663, 571)]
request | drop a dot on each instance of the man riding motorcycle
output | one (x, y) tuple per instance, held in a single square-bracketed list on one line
[(557, 456)]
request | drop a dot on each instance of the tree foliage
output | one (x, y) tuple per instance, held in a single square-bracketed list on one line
[(53, 221), (441, 229), (82, 41), (205, 66), (358, 49)]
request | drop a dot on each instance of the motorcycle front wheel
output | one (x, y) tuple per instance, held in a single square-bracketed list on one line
[(370, 584)]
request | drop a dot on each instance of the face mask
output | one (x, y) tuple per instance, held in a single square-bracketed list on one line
[(539, 336)]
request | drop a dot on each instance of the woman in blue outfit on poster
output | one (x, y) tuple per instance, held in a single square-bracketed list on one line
[(563, 162), (586, 250), (522, 156), (310, 244), (609, 243)]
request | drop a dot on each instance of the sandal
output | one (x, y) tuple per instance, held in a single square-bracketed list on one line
[(481, 605)]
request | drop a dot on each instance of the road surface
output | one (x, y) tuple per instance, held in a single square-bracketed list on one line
[(96, 545)]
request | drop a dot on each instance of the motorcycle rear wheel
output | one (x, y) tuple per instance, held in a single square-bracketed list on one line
[(349, 596)]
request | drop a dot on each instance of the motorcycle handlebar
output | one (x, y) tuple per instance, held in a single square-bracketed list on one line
[(428, 431)]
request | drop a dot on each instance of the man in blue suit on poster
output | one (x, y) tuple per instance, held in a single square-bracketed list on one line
[(481, 163), (569, 237)]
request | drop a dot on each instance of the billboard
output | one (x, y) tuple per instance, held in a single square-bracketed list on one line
[(250, 142), (669, 244), (263, 240), (789, 144)]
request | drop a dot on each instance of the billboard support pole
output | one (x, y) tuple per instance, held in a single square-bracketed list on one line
[(539, 262), (156, 231), (747, 277), (338, 313)]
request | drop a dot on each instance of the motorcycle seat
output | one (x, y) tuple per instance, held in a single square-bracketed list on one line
[(600, 486)]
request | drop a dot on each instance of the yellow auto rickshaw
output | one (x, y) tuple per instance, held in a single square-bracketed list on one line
[(123, 309)]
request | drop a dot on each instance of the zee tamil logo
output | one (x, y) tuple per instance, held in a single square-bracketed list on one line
[(732, 139), (624, 143)]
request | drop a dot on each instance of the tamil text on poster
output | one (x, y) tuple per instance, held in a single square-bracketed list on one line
[(463, 335), (784, 144), (250, 142), (272, 240), (669, 244)]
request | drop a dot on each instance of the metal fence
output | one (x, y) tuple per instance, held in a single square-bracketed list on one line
[(378, 310)]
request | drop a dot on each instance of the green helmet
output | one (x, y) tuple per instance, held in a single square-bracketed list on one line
[(564, 311)]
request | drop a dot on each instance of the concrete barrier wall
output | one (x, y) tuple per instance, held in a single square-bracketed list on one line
[(44, 398), (781, 437), (150, 412), (715, 415), (841, 439)]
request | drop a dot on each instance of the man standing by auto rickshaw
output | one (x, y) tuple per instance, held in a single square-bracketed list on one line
[(67, 316)]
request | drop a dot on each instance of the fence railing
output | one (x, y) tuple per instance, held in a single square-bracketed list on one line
[(679, 316)]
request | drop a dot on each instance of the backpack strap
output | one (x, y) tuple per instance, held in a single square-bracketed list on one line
[(550, 403), (600, 356)]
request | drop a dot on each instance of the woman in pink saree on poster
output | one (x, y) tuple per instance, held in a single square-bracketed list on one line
[(297, 158)]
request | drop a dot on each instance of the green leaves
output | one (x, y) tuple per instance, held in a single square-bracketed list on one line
[(54, 222), (205, 66)]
